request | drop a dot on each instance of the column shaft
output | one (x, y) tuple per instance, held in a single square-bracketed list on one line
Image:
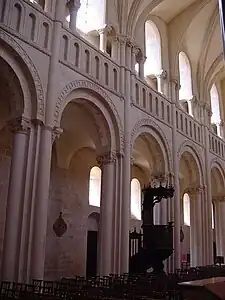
[(14, 206), (177, 206), (125, 207), (103, 39), (106, 217), (41, 206), (199, 228)]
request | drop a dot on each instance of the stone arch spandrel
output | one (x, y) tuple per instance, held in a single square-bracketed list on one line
[(149, 126), (36, 92), (190, 148), (95, 95)]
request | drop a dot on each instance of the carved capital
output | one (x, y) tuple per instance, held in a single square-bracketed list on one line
[(219, 198), (135, 50), (162, 74), (195, 190), (73, 5), (132, 159), (106, 29), (130, 43), (175, 83), (56, 132), (20, 125), (158, 177), (122, 39), (107, 158)]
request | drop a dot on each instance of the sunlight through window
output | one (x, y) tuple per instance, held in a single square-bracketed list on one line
[(186, 209), (95, 186), (135, 199), (90, 15), (153, 49), (185, 92)]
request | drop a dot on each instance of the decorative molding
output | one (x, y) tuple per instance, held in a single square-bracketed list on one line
[(73, 5), (19, 125), (34, 74), (85, 84), (194, 190), (107, 158), (132, 159), (186, 146), (150, 123), (56, 132), (219, 198)]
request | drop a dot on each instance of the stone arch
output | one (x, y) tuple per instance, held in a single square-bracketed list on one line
[(190, 148), (94, 95), (218, 174), (30, 80), (150, 127), (208, 81)]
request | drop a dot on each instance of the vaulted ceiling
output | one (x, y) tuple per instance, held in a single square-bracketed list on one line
[(191, 25)]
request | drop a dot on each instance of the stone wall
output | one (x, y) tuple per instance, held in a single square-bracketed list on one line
[(66, 255)]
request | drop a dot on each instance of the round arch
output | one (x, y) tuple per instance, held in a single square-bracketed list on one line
[(146, 126), (189, 148), (210, 76), (27, 75), (100, 101), (218, 174)]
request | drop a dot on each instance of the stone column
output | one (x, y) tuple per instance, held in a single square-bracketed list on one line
[(48, 135), (122, 41), (103, 32), (73, 6), (134, 52), (221, 129), (14, 208), (206, 116), (218, 226), (222, 219), (107, 163), (141, 67), (173, 95), (125, 205), (115, 49), (196, 227), (117, 212)]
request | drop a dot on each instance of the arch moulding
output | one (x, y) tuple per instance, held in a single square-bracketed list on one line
[(143, 126), (62, 101), (33, 72), (217, 165), (189, 147)]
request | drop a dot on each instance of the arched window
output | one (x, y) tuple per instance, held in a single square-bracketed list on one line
[(95, 186), (186, 209), (215, 106), (185, 92), (135, 199), (153, 64), (91, 15)]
